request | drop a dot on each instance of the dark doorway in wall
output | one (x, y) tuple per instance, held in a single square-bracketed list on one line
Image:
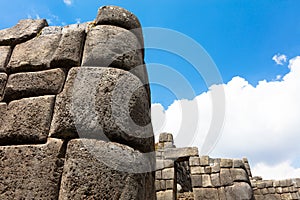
[(183, 175)]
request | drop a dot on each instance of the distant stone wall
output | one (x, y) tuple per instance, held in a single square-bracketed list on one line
[(213, 179), (279, 189), (74, 110)]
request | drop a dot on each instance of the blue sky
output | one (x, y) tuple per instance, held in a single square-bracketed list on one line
[(249, 41)]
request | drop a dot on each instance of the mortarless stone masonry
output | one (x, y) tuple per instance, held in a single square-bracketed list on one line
[(74, 112), (75, 122), (213, 179)]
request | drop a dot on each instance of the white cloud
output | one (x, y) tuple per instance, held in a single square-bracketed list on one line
[(262, 122), (280, 59), (68, 2), (276, 172)]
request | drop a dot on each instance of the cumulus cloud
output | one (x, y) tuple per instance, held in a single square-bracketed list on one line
[(68, 2), (277, 172), (280, 59), (261, 123)]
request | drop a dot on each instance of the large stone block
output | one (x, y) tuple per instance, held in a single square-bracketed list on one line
[(104, 103), (206, 193), (104, 170), (31, 171), (21, 32), (175, 153), (27, 121), (239, 191), (69, 51), (239, 175), (4, 57), (215, 180), (32, 84), (225, 177), (3, 79), (116, 16), (35, 54), (112, 46)]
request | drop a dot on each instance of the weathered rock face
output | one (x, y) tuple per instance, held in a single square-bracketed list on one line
[(50, 97), (117, 16), (31, 84), (113, 46), (68, 53), (27, 121), (35, 54), (116, 166), (99, 103), (31, 171), (4, 56), (23, 31), (3, 79)]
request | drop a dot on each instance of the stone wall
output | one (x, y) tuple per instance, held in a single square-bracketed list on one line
[(212, 178), (74, 110), (276, 189)]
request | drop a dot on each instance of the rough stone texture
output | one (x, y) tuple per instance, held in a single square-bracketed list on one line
[(35, 54), (115, 165), (239, 175), (225, 177), (239, 191), (49, 30), (206, 193), (27, 121), (31, 171), (166, 195), (4, 57), (23, 31), (181, 152), (3, 108), (69, 52), (32, 84), (113, 15), (215, 180), (98, 100), (113, 46), (3, 79)]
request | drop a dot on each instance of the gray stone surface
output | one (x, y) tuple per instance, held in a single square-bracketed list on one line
[(27, 121), (181, 152), (226, 163), (32, 84), (69, 52), (239, 175), (113, 15), (168, 173), (4, 57), (225, 177), (239, 191), (115, 166), (112, 46), (35, 54), (196, 181), (206, 193), (3, 79), (206, 181), (31, 171), (215, 180), (22, 31), (49, 30), (3, 108), (97, 100)]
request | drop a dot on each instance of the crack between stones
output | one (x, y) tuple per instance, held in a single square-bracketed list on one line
[(61, 163)]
